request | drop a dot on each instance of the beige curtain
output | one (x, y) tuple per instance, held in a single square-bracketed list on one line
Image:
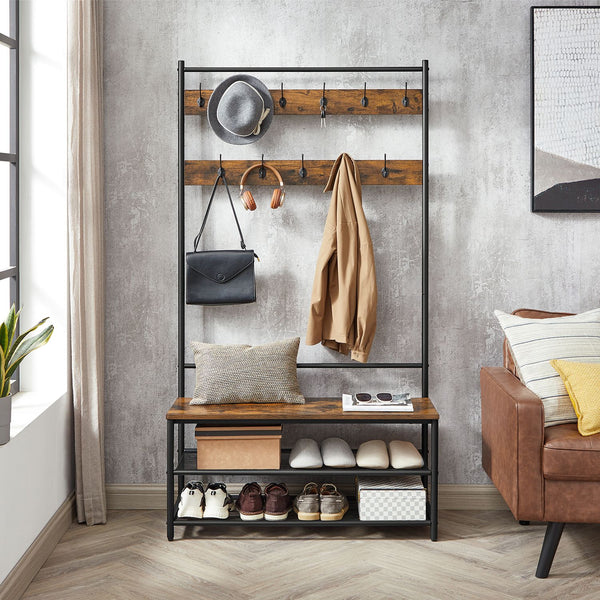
[(86, 253)]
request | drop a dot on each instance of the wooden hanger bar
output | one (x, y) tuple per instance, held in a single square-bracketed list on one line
[(339, 102), (401, 172)]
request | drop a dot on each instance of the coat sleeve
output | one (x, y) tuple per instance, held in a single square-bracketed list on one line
[(366, 302), (366, 286), (319, 298), (320, 301)]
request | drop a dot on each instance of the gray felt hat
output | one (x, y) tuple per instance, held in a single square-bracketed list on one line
[(240, 109)]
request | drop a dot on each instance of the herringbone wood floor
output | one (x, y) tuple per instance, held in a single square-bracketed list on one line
[(479, 555)]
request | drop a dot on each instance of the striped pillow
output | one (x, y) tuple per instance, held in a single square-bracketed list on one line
[(535, 342)]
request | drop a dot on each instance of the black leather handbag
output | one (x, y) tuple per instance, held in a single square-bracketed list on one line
[(219, 277)]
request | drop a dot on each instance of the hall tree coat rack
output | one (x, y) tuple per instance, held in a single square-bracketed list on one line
[(376, 171)]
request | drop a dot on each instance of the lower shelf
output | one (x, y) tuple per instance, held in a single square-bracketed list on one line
[(350, 518)]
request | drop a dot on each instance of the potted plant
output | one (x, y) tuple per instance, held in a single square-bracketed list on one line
[(12, 353)]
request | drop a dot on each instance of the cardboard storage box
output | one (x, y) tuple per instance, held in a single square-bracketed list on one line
[(401, 498), (238, 447)]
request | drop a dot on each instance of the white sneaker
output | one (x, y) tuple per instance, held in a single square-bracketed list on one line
[(218, 502), (191, 501)]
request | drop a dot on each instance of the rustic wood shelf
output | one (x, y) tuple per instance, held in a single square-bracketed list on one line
[(315, 409), (401, 172), (339, 102)]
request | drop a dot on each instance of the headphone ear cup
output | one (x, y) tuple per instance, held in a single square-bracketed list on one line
[(277, 198), (248, 200)]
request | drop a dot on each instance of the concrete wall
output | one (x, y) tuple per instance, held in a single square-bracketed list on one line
[(487, 249)]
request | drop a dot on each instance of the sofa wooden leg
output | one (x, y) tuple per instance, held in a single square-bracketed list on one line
[(524, 522), (551, 539)]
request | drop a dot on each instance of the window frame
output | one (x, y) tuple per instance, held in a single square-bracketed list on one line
[(11, 271)]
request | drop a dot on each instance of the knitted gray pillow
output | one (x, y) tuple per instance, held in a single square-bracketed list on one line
[(239, 373)]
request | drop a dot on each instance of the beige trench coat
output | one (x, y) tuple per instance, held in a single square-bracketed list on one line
[(343, 311)]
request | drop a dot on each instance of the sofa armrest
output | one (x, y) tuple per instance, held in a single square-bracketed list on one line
[(512, 430)]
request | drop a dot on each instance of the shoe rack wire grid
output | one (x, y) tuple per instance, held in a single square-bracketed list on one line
[(397, 172)]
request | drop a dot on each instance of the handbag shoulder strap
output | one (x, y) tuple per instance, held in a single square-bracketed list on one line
[(221, 175)]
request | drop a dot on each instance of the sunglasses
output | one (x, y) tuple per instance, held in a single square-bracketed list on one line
[(383, 397)]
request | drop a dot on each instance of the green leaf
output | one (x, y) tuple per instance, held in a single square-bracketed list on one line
[(3, 374), (28, 346), (3, 337), (11, 322), (13, 349)]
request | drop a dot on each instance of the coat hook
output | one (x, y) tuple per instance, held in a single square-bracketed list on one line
[(201, 100), (282, 100), (221, 170), (262, 172), (365, 100), (323, 108), (405, 99), (384, 171), (302, 171)]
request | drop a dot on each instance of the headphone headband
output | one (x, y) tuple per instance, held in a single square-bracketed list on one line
[(257, 166)]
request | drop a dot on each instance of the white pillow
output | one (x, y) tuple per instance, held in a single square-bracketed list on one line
[(535, 342), (373, 455), (404, 455)]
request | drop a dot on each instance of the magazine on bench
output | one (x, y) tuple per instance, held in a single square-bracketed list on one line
[(368, 402)]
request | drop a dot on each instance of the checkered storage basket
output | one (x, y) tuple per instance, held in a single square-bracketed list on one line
[(401, 498)]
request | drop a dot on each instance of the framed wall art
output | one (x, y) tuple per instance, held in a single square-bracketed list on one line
[(565, 109)]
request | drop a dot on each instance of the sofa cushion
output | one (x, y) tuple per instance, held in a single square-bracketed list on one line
[(528, 313), (569, 456), (535, 342)]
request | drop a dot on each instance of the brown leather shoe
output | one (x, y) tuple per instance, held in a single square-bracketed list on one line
[(250, 503), (278, 502)]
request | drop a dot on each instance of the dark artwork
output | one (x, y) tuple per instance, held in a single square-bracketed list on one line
[(565, 109), (575, 196)]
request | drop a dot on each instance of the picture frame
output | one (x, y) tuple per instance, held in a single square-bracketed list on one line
[(565, 109)]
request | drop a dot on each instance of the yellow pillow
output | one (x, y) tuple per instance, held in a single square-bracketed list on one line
[(582, 381)]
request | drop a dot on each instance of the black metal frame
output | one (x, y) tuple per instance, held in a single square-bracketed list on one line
[(186, 466), (12, 157), (430, 455), (424, 70), (535, 209)]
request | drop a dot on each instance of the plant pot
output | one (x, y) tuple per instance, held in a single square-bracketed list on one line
[(5, 410)]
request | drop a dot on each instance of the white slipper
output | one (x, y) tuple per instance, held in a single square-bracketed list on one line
[(306, 455), (337, 453)]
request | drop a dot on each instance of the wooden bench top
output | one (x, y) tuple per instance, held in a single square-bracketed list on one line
[(315, 409)]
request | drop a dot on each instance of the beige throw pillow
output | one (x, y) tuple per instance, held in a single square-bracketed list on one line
[(237, 373)]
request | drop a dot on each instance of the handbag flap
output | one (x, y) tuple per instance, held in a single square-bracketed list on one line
[(220, 266)]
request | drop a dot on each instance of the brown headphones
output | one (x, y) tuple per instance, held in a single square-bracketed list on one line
[(246, 195)]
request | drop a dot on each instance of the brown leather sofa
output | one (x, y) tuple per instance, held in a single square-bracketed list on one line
[(544, 474)]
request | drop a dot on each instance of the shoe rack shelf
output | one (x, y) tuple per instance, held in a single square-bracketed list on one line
[(398, 102), (187, 466), (181, 461), (350, 518)]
